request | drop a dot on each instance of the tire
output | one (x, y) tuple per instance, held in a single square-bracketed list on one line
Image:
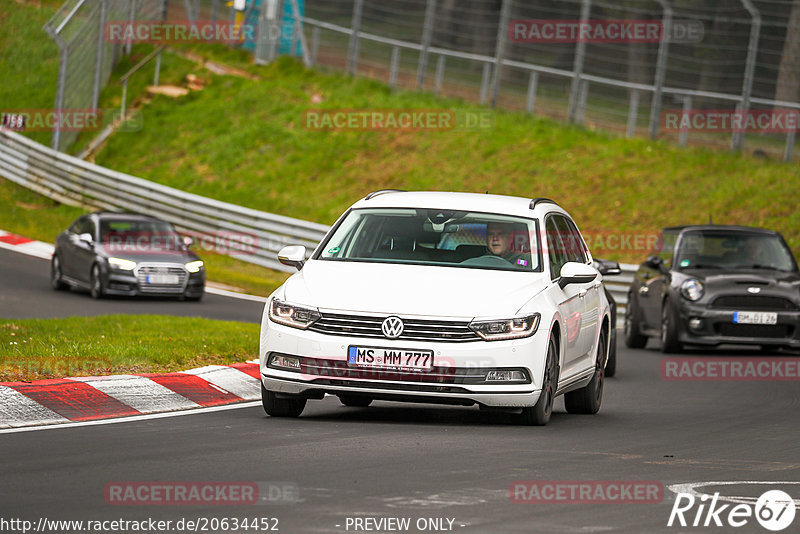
[(633, 337), (276, 407), (588, 399), (355, 401), (611, 364), (539, 415), (669, 329), (97, 288), (56, 277)]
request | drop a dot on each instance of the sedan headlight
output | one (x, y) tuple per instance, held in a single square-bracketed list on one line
[(291, 315), (119, 263), (692, 289), (194, 266), (497, 329)]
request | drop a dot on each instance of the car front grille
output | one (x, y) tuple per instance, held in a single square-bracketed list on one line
[(341, 369), (753, 302), (414, 329), (755, 330), (145, 270)]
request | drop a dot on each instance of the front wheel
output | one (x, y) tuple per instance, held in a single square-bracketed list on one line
[(669, 329), (587, 400), (539, 415), (98, 289), (633, 337), (611, 364), (277, 407)]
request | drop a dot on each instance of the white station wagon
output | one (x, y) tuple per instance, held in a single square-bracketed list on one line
[(451, 298)]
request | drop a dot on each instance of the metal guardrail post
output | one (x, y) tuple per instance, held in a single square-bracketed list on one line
[(577, 68), (427, 33), (661, 68), (299, 32), (583, 96), (500, 48), (487, 72), (530, 99), (737, 139), (355, 29), (439, 74), (633, 113), (394, 66), (683, 137), (314, 45), (787, 151), (158, 70)]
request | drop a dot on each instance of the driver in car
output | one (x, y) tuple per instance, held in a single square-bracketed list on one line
[(500, 242), (753, 252)]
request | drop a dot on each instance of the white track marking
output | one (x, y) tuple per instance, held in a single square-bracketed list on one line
[(134, 418), (232, 380), (16, 410), (139, 393)]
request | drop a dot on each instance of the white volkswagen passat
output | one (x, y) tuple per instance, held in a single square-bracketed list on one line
[(453, 298)]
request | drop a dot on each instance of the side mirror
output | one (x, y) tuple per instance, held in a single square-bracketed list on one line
[(607, 267), (655, 262), (576, 273), (293, 256), (188, 241), (86, 238)]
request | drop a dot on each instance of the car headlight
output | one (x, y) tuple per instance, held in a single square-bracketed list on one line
[(194, 266), (119, 263), (692, 289), (290, 315), (497, 329)]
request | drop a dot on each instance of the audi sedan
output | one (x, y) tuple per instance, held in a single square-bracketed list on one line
[(112, 253), (713, 284), (433, 297)]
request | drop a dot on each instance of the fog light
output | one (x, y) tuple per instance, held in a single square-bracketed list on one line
[(506, 376), (695, 323), (287, 362)]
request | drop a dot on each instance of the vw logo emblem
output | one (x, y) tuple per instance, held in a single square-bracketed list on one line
[(754, 290), (392, 327)]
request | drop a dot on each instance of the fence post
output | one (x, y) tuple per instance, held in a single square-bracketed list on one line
[(62, 80), (131, 18), (314, 44), (500, 48), (683, 138), (577, 68), (355, 28), (98, 58), (533, 82), (439, 74), (299, 32), (633, 113), (661, 68), (582, 97), (487, 72), (158, 70), (427, 32), (737, 140), (787, 152), (395, 65)]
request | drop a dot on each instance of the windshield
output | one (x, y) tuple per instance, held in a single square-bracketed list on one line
[(436, 237), (715, 249), (139, 235)]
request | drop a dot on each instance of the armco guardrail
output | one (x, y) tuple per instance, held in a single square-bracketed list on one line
[(76, 182)]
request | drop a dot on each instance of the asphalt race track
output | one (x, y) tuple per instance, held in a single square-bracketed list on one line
[(336, 464), (25, 292)]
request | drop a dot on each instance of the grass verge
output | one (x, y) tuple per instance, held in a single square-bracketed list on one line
[(36, 349)]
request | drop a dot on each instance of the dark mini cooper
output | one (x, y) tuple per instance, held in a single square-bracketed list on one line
[(712, 284), (126, 254)]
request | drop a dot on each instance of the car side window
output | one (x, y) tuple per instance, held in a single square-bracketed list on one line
[(76, 226), (665, 248), (581, 254), (90, 228), (556, 252), (572, 240)]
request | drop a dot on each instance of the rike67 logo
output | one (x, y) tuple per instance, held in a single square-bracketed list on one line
[(774, 510)]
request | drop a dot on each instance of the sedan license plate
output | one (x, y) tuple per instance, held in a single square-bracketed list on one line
[(163, 279), (411, 359), (755, 317)]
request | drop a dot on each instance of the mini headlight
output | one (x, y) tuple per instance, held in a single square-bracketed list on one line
[(692, 289), (119, 263), (495, 330), (194, 266), (291, 315)]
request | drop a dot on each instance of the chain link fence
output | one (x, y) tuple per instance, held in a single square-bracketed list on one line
[(710, 56)]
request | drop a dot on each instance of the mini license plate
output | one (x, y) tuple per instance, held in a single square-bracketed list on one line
[(163, 279), (413, 359), (755, 317)]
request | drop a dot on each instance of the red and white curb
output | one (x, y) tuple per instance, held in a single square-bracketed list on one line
[(65, 400)]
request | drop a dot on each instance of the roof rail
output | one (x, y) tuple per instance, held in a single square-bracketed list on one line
[(541, 200), (382, 192)]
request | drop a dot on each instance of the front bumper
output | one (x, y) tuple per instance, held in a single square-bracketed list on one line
[(125, 283), (455, 379), (718, 328)]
